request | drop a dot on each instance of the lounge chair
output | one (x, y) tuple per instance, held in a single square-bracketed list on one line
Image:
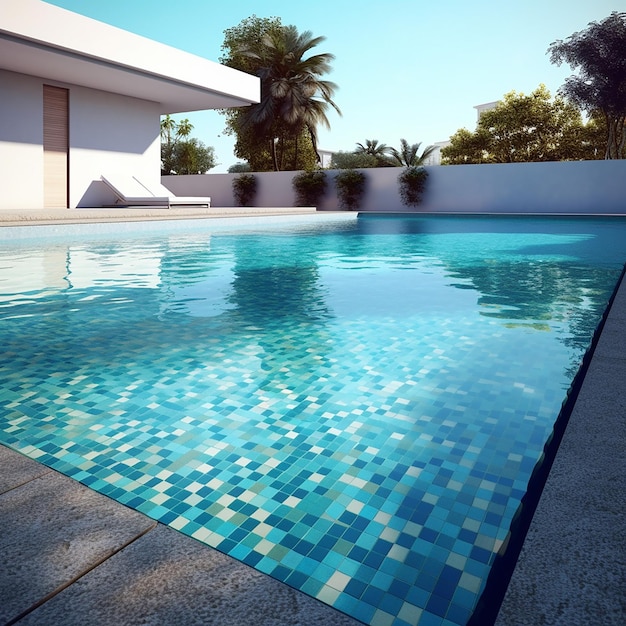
[(129, 192)]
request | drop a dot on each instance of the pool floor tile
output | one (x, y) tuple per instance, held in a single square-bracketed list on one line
[(368, 445)]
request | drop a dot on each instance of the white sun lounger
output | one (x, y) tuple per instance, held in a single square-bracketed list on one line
[(129, 191)]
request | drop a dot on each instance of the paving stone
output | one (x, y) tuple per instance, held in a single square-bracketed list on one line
[(612, 343), (16, 469), (53, 531)]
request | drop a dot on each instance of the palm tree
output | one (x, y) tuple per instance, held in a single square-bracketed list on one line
[(168, 126), (407, 155), (293, 96), (372, 147), (179, 129), (379, 151), (184, 128)]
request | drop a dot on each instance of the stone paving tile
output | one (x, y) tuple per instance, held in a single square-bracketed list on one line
[(612, 344), (53, 531), (16, 469), (618, 310)]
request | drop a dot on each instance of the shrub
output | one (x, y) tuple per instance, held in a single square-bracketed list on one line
[(350, 160), (309, 186), (350, 187), (412, 184), (239, 167), (244, 189)]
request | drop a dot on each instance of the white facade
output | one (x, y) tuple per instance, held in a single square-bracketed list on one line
[(326, 157), (483, 108), (435, 156), (119, 84)]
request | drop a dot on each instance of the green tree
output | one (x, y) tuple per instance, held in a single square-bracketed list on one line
[(599, 54), (249, 147), (238, 40), (595, 136), (192, 156), (523, 129), (181, 155), (168, 139), (290, 154), (294, 96), (168, 127), (246, 36), (467, 147), (184, 128), (380, 151), (238, 168), (408, 154), (350, 160)]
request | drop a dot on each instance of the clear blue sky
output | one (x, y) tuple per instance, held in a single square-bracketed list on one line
[(405, 68)]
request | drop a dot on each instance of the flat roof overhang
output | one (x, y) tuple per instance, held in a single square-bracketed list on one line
[(43, 40)]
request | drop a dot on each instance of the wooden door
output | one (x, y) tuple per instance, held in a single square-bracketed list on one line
[(55, 146)]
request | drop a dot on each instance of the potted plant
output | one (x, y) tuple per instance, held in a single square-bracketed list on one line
[(412, 181), (350, 185), (244, 189), (309, 186)]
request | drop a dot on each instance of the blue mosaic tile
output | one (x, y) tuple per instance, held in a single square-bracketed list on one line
[(352, 412)]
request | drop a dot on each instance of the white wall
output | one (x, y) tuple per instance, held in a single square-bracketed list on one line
[(561, 187), (273, 188), (555, 187), (109, 133), (21, 141)]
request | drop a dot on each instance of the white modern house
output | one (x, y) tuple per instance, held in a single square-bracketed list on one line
[(80, 99)]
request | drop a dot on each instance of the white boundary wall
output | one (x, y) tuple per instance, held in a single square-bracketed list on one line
[(556, 187)]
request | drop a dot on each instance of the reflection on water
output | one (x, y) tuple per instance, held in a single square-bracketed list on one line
[(548, 274)]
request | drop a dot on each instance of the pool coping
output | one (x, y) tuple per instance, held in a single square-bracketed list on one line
[(43, 217), (571, 570)]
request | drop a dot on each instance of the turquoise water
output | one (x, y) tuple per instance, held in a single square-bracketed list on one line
[(352, 406)]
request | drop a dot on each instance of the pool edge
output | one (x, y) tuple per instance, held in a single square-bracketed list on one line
[(571, 568)]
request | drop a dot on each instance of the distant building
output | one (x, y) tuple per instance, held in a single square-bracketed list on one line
[(326, 157), (483, 108), (435, 156)]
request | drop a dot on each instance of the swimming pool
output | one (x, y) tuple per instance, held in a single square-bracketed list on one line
[(353, 406)]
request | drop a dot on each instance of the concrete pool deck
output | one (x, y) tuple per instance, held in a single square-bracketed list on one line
[(33, 217), (70, 556)]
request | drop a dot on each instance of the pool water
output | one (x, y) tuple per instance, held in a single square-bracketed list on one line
[(353, 406)]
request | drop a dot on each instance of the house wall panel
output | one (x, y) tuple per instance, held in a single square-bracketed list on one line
[(21, 145), (108, 133), (111, 134)]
